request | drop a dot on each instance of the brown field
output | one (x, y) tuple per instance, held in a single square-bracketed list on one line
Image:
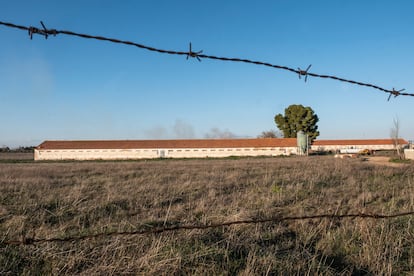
[(17, 156), (49, 200)]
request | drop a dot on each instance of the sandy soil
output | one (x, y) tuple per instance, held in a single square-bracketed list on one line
[(383, 160)]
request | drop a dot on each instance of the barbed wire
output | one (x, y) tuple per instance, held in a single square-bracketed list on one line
[(199, 56), (158, 230)]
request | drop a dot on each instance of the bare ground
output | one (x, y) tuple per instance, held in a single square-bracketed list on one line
[(384, 161)]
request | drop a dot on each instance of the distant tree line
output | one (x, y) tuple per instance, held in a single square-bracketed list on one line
[(268, 134), (19, 149)]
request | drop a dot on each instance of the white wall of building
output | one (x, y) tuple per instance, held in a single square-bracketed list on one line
[(361, 147), (113, 154), (409, 154)]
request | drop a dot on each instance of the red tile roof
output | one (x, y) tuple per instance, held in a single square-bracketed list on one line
[(204, 143), (151, 144), (358, 142)]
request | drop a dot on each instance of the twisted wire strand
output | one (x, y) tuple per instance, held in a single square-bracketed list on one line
[(47, 32), (159, 230)]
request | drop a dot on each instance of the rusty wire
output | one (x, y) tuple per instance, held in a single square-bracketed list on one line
[(199, 56), (178, 227)]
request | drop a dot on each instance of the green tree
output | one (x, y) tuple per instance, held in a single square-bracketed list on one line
[(297, 117)]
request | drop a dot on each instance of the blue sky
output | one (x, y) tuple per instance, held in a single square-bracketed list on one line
[(72, 88)]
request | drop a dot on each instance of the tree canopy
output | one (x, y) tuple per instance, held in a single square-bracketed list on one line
[(296, 118)]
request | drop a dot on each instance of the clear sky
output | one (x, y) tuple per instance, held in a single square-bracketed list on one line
[(72, 88)]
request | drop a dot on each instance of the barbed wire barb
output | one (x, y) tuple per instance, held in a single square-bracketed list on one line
[(45, 32), (304, 72), (33, 30), (44, 29), (396, 93), (194, 54)]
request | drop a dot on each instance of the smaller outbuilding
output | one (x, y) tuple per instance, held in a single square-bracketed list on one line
[(364, 144), (409, 152)]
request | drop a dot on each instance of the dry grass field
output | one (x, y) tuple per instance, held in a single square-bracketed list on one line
[(16, 156), (69, 199)]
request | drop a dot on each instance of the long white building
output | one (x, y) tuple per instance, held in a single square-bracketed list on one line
[(194, 148), (138, 149)]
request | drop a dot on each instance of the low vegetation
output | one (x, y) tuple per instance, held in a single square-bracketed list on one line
[(65, 199)]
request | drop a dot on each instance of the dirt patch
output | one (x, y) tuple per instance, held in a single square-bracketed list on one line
[(383, 160)]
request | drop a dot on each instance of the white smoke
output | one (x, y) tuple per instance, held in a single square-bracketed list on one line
[(216, 133), (157, 133), (180, 130), (183, 130)]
